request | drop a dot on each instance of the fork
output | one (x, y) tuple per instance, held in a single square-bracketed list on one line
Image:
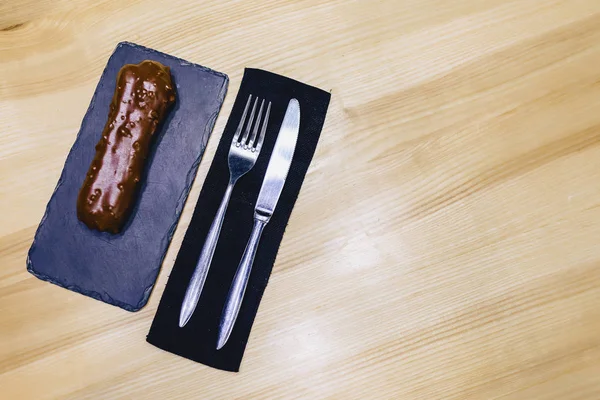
[(243, 152)]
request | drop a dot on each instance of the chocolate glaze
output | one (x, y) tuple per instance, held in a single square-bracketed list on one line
[(142, 99)]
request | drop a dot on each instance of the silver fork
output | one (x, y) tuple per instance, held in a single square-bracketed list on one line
[(243, 153)]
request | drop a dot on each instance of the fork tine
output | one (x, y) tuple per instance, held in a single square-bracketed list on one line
[(241, 125), (247, 131), (263, 130), (256, 125)]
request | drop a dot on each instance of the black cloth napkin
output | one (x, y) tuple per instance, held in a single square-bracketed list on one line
[(121, 269), (198, 339)]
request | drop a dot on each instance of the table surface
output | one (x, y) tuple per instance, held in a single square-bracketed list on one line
[(444, 244)]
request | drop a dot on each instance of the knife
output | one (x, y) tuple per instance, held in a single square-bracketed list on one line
[(271, 188)]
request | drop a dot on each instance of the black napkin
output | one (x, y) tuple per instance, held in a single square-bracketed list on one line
[(121, 269), (198, 339)]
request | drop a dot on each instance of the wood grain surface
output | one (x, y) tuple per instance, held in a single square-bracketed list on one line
[(444, 244)]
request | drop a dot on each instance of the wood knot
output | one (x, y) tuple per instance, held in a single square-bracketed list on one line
[(12, 27)]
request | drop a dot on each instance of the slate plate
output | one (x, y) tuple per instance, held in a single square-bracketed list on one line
[(121, 269)]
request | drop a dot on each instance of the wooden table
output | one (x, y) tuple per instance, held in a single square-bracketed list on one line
[(445, 244)]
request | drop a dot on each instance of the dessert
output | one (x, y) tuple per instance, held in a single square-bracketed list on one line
[(143, 97)]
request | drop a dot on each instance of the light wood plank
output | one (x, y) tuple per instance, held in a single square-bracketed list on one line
[(444, 245)]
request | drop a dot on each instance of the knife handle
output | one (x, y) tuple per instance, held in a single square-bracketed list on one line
[(194, 289), (240, 282)]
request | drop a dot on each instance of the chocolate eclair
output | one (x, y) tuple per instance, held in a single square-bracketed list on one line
[(143, 98)]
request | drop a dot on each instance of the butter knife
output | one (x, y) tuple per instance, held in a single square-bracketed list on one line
[(271, 188)]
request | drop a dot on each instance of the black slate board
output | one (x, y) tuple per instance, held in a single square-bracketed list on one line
[(121, 269)]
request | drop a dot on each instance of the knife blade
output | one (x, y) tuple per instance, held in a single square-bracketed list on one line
[(280, 161), (270, 191)]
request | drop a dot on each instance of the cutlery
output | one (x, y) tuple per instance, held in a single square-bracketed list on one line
[(271, 188), (243, 152)]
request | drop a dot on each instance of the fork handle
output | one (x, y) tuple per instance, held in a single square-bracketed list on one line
[(194, 289), (240, 282)]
